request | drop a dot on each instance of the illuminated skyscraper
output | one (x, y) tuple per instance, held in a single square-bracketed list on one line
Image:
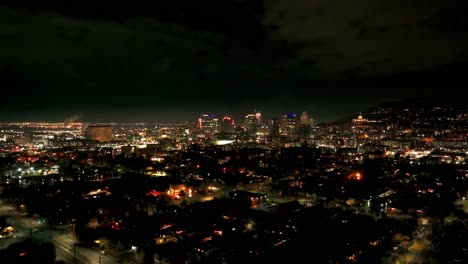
[(265, 127), (258, 118), (227, 125), (305, 119), (274, 127), (250, 125), (305, 124), (288, 124), (99, 133), (207, 123), (253, 122)]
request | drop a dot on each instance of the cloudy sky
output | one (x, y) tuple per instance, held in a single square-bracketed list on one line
[(164, 62)]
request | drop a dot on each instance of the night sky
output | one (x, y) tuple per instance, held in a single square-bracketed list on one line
[(174, 61)]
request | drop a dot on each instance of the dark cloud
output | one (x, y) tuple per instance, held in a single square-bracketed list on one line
[(328, 57), (364, 38)]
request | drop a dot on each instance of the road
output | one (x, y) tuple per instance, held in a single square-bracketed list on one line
[(413, 252), (66, 245)]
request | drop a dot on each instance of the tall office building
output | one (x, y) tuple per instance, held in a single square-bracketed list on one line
[(207, 123), (99, 133), (265, 127), (258, 118), (288, 124), (305, 119), (275, 127), (305, 124), (227, 124), (253, 122), (250, 124)]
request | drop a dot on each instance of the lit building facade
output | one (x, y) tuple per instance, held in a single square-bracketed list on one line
[(227, 124), (99, 133), (305, 124), (253, 122), (274, 127), (288, 125), (250, 124), (306, 119), (360, 119), (208, 123)]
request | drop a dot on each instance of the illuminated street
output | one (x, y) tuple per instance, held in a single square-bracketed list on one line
[(60, 236)]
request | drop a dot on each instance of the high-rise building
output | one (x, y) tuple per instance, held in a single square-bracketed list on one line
[(288, 124), (207, 123), (99, 133), (253, 122), (305, 124), (216, 125), (305, 119), (274, 127), (250, 125), (265, 127), (258, 118), (227, 124)]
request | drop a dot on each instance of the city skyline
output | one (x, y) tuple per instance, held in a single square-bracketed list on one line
[(387, 186), (166, 116), (233, 131)]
